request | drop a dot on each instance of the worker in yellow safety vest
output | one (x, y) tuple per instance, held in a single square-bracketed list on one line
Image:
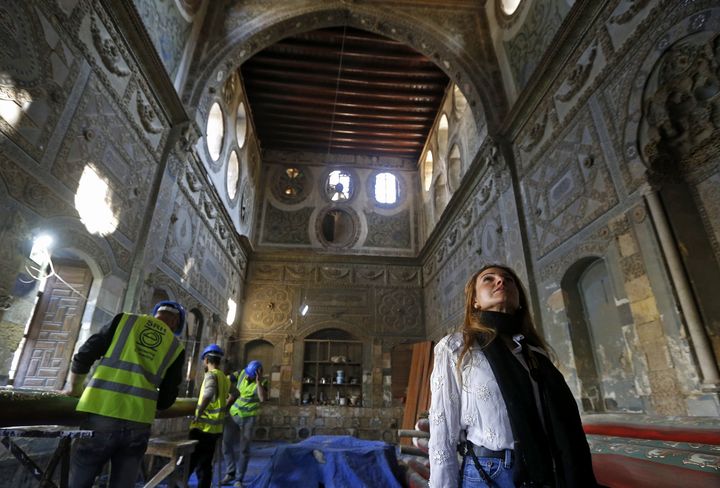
[(252, 389), (207, 425), (140, 368)]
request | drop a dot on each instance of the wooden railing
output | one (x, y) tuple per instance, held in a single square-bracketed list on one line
[(629, 451)]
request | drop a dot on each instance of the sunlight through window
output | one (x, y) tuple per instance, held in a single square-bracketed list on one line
[(232, 309), (10, 111), (427, 170), (94, 203), (510, 6), (386, 188)]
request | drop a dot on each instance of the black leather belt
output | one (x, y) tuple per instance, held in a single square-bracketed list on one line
[(481, 451)]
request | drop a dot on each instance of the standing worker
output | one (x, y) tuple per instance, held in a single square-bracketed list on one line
[(253, 390), (207, 426), (141, 360)]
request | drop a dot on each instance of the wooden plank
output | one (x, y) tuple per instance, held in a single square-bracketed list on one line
[(418, 386), (424, 399)]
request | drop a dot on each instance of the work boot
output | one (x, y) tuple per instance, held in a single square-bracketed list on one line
[(229, 478)]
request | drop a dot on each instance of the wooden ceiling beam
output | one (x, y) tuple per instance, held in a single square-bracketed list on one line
[(259, 106), (253, 72), (283, 116), (260, 85), (358, 129), (304, 65), (281, 144), (345, 103)]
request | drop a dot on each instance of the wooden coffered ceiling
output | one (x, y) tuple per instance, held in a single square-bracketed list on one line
[(343, 90)]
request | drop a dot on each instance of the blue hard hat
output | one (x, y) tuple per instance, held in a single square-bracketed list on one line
[(252, 368), (172, 307), (212, 350)]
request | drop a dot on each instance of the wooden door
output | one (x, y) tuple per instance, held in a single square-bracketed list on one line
[(54, 329)]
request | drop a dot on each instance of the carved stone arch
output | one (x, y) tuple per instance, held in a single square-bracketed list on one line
[(650, 136), (71, 234), (583, 350), (345, 326), (261, 349), (478, 86)]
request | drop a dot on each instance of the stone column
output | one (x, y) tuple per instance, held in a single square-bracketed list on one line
[(700, 341)]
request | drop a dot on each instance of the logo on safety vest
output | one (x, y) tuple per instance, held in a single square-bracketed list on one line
[(151, 336)]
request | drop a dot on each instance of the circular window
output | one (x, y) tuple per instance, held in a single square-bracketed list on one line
[(233, 175), (509, 6), (215, 131), (241, 125), (338, 227), (339, 186), (290, 184)]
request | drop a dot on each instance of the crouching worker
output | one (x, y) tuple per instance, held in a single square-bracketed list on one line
[(207, 426), (140, 368)]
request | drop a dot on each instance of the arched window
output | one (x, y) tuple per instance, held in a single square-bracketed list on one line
[(241, 125), (427, 170), (442, 136)]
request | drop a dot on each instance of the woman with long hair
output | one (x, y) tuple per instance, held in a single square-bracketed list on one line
[(496, 394)]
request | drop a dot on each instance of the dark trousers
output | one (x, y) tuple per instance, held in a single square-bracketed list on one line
[(123, 443), (202, 458)]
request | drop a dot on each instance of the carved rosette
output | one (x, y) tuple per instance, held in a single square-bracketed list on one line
[(399, 311), (268, 308)]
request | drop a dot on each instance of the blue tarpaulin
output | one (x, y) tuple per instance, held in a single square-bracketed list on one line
[(333, 461)]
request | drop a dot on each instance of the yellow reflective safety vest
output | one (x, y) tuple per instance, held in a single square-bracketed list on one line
[(248, 403), (211, 421), (125, 383)]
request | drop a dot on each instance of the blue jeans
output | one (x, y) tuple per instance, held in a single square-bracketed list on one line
[(500, 474), (124, 446)]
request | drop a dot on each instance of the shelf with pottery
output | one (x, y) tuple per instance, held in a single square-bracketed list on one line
[(329, 363)]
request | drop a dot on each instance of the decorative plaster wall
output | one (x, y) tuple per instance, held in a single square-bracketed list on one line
[(168, 28)]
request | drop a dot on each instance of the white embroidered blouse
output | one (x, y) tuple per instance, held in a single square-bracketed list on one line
[(475, 406)]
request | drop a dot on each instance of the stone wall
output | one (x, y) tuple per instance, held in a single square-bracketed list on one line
[(294, 424), (88, 127)]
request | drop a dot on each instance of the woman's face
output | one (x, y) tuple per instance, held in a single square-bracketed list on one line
[(496, 290)]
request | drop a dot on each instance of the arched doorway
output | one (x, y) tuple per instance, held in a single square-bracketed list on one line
[(599, 335)]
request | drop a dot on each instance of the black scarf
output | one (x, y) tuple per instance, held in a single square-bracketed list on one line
[(562, 442)]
